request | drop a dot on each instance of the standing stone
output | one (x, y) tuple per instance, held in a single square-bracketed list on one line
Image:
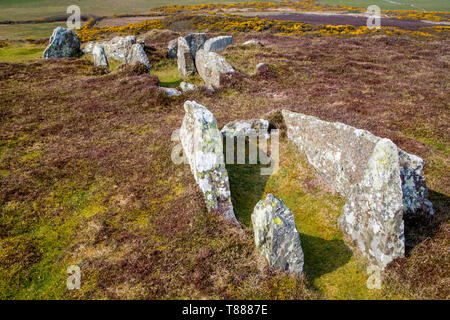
[(373, 213), (64, 43), (172, 49), (276, 236), (211, 66), (119, 48), (186, 65), (203, 147), (195, 42), (137, 54), (380, 181), (100, 58), (218, 43)]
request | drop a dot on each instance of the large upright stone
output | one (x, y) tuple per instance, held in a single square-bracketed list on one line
[(119, 48), (276, 236), (380, 181), (203, 148), (186, 65), (64, 43), (218, 43), (137, 54), (195, 42), (373, 213), (172, 49), (100, 58), (211, 66)]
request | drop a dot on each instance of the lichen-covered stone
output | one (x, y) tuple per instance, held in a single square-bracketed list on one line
[(172, 49), (186, 86), (99, 55), (254, 127), (211, 66), (195, 42), (186, 65), (218, 43), (64, 43), (170, 91), (380, 181), (137, 54), (203, 147), (119, 48), (123, 49), (373, 213), (276, 236)]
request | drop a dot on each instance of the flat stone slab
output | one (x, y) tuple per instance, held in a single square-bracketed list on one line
[(276, 235), (203, 147), (211, 66), (218, 43), (380, 181), (253, 127)]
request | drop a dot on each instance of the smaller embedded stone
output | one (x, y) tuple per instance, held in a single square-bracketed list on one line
[(276, 236), (251, 42), (186, 86), (254, 127), (170, 91)]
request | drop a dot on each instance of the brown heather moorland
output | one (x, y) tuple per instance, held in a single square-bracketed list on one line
[(86, 176)]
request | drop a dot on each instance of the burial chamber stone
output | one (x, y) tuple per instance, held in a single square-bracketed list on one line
[(380, 181), (99, 55), (218, 43), (211, 66), (203, 147), (276, 236), (63, 43)]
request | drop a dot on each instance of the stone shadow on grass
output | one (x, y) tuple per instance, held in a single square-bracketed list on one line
[(247, 186), (420, 226), (323, 256)]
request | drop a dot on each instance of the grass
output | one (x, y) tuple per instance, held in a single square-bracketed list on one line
[(31, 9), (21, 52), (25, 31)]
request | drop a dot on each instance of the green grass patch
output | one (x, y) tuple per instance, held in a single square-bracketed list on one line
[(21, 52)]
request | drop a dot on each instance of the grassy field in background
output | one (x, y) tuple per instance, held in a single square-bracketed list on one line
[(25, 31), (35, 9), (428, 5)]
